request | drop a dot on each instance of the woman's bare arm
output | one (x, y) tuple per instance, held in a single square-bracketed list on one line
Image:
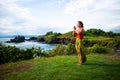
[(76, 31), (79, 31), (74, 28)]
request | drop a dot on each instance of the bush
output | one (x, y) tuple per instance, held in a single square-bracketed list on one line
[(59, 49), (49, 39), (39, 52), (40, 39), (97, 49), (114, 43), (94, 32), (70, 49), (12, 54)]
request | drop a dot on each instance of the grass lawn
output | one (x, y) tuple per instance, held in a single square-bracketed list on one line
[(97, 67)]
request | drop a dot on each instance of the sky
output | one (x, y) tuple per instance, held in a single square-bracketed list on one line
[(34, 17)]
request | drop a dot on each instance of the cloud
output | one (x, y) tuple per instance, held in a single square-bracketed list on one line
[(15, 18), (39, 16), (102, 14)]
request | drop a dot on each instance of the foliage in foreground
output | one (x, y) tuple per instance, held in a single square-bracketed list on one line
[(61, 49), (98, 49), (12, 54)]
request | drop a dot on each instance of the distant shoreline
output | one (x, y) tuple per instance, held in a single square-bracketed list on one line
[(27, 44), (12, 36)]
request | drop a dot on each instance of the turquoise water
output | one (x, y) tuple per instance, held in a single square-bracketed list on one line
[(27, 44)]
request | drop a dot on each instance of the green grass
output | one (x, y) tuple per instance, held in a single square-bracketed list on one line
[(96, 38), (97, 67)]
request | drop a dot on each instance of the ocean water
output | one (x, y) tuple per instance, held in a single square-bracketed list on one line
[(27, 44)]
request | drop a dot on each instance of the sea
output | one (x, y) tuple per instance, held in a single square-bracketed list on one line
[(26, 44)]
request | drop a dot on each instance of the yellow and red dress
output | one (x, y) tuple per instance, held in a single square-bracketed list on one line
[(80, 47)]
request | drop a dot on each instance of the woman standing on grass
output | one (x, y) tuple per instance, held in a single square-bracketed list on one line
[(79, 33)]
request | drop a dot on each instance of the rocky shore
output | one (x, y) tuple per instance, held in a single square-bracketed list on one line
[(53, 40)]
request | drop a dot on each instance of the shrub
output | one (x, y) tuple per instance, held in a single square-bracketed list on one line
[(70, 49), (97, 49), (56, 34), (114, 43), (49, 39), (12, 54), (39, 52), (94, 32), (40, 39), (59, 49)]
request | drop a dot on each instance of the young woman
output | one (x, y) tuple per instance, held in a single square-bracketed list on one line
[(79, 33)]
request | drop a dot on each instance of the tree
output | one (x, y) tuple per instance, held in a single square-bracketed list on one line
[(96, 32), (110, 34), (49, 33)]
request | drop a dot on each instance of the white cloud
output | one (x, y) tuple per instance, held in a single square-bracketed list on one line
[(15, 18), (102, 14)]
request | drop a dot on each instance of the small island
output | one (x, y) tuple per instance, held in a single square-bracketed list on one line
[(17, 39)]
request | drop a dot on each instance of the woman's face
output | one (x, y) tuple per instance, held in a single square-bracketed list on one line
[(78, 24)]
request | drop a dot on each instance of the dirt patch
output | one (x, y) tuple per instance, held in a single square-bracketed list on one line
[(1, 78), (101, 38), (22, 67), (5, 68), (114, 56)]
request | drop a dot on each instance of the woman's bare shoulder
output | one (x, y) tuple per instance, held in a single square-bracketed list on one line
[(81, 30)]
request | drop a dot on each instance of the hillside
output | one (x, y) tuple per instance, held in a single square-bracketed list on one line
[(92, 36)]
